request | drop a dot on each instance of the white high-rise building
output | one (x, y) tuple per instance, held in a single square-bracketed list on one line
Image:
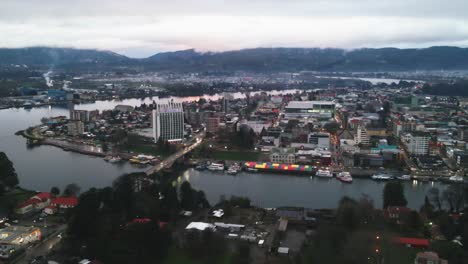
[(168, 122), (417, 142), (361, 136)]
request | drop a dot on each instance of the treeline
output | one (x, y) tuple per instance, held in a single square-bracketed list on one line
[(459, 88), (131, 221), (8, 176)]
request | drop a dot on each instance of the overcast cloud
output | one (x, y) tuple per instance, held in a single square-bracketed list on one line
[(140, 28)]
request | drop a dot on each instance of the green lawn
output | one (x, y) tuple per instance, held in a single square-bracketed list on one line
[(146, 149), (15, 197), (235, 155)]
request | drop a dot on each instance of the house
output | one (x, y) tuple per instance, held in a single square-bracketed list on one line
[(412, 242), (41, 200), (65, 202), (36, 202), (429, 257)]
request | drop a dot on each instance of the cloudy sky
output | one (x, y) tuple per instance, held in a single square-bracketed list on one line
[(139, 28)]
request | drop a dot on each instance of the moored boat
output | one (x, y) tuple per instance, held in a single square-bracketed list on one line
[(233, 169), (252, 169), (115, 159), (344, 177), (216, 167), (404, 177), (456, 179), (382, 177), (324, 173)]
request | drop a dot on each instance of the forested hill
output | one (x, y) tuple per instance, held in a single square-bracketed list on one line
[(259, 59)]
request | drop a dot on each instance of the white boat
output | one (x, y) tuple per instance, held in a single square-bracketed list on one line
[(345, 177), (324, 174), (107, 158), (115, 159), (404, 177), (456, 179), (252, 170), (382, 176), (233, 169), (216, 167)]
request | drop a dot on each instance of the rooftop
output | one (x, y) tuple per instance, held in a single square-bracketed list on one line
[(308, 104)]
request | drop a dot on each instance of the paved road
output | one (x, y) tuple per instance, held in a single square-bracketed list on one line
[(43, 248), (198, 139)]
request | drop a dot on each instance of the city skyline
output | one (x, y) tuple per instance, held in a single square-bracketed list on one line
[(140, 29)]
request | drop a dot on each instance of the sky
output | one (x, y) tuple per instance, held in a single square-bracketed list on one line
[(140, 28)]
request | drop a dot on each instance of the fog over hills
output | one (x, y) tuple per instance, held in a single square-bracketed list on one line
[(258, 59)]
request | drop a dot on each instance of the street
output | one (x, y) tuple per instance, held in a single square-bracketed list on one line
[(169, 160)]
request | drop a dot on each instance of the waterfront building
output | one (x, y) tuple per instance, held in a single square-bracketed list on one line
[(417, 142), (168, 122), (321, 140), (307, 109), (75, 128), (283, 155)]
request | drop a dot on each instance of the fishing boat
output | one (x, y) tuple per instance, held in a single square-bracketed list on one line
[(345, 177), (324, 173)]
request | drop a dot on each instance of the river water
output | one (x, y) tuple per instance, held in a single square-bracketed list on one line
[(42, 167)]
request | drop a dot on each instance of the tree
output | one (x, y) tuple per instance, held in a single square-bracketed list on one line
[(427, 207), (348, 214), (71, 190), (55, 191), (393, 194), (8, 176), (187, 199), (104, 147), (454, 196), (332, 127), (434, 197)]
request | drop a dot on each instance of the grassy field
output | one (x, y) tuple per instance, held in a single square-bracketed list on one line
[(15, 197), (146, 149), (235, 155)]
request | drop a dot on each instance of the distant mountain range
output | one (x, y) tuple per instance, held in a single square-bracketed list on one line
[(259, 59)]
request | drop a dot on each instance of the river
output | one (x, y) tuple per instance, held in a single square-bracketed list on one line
[(273, 190), (42, 167)]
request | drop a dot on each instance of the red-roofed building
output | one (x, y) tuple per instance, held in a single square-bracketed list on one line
[(412, 242), (36, 202), (65, 202)]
